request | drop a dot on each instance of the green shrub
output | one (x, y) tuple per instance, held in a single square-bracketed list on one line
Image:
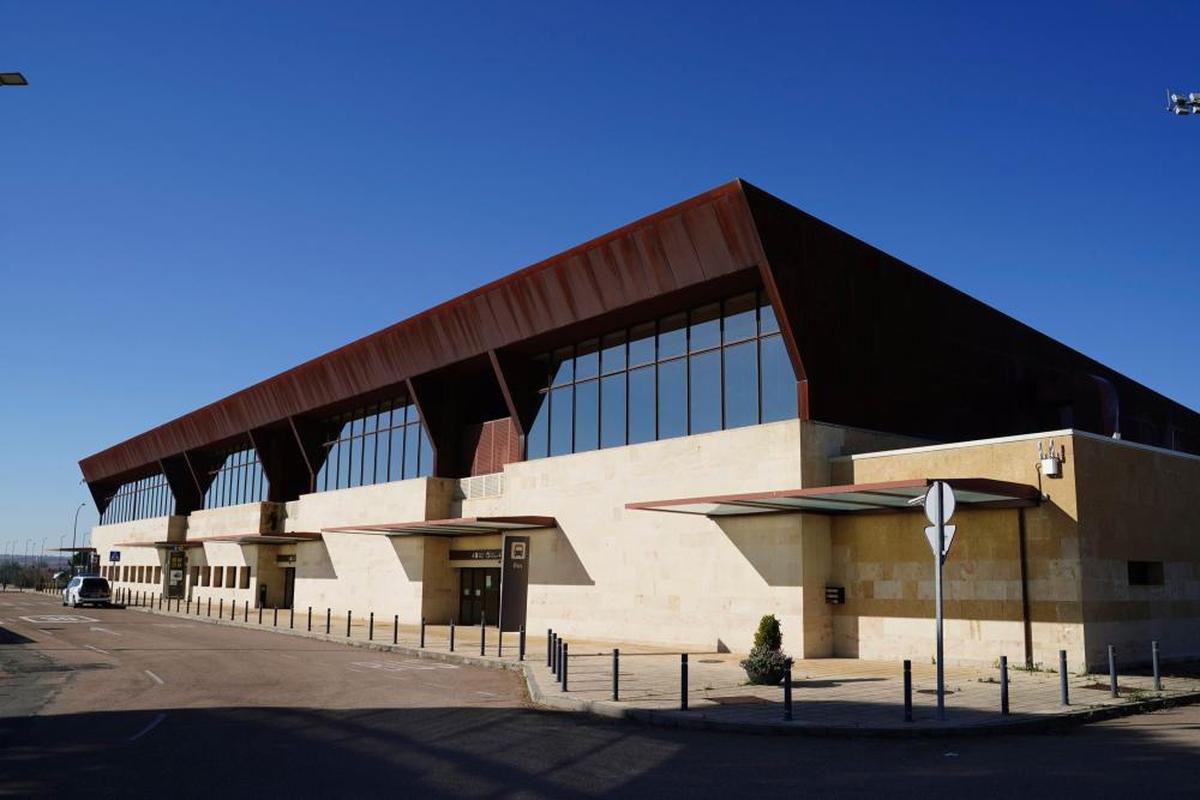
[(768, 635)]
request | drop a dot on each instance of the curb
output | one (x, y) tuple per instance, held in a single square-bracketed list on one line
[(695, 720)]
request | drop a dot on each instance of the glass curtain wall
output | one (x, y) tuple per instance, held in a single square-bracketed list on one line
[(144, 498), (239, 479), (377, 444), (721, 365)]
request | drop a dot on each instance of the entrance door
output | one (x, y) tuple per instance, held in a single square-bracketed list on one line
[(480, 595), (289, 586)]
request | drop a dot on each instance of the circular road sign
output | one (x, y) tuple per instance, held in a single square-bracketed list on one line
[(939, 497)]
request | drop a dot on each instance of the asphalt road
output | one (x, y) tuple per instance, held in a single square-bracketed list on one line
[(119, 703)]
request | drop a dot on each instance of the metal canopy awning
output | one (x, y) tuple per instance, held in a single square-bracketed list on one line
[(462, 526), (892, 496), (72, 550), (236, 538)]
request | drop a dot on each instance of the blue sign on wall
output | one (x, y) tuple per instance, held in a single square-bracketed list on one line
[(114, 555)]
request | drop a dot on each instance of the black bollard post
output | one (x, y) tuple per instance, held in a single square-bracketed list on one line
[(328, 618), (310, 619), (1154, 664), (422, 633), (292, 617), (521, 643), (371, 627), (189, 606), (558, 658), (220, 608), (347, 623), (275, 617), (482, 634), (1062, 678), (246, 611), (564, 667), (208, 613), (395, 629), (1112, 670), (554, 654), (452, 634), (1004, 685), (907, 690), (787, 691), (549, 645), (499, 643), (683, 680), (260, 615), (616, 674)]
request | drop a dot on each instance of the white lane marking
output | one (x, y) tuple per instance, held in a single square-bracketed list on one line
[(405, 665), (44, 619), (157, 679), (104, 630), (285, 655), (97, 649), (153, 724)]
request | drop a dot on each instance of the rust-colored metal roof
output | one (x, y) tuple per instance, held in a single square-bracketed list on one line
[(889, 496), (701, 239)]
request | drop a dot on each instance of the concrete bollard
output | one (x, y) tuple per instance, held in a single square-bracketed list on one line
[(616, 674), (1004, 685), (1154, 665), (908, 707), (1112, 671), (683, 682)]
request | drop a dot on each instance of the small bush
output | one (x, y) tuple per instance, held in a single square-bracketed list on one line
[(768, 634), (767, 661)]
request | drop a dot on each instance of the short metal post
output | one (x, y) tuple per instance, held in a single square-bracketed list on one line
[(160, 601), (1004, 685), (787, 691), (395, 628), (683, 678), (558, 658), (521, 643), (616, 674), (292, 617), (310, 619), (1154, 663), (260, 615), (482, 634), (347, 623), (1062, 678), (371, 627), (422, 633), (189, 606), (564, 667), (220, 608), (549, 645), (208, 613), (328, 617), (452, 634), (907, 690), (1112, 670), (554, 654), (246, 611), (275, 617), (499, 643)]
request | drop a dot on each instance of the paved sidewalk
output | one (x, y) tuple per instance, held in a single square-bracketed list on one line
[(829, 695)]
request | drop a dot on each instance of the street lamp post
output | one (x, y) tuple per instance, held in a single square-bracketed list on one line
[(74, 528)]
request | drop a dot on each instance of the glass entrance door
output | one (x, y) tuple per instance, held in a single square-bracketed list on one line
[(480, 594)]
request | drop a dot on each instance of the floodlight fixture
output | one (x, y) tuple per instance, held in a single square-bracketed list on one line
[(12, 79), (1183, 104)]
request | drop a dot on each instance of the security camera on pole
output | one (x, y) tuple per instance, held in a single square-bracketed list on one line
[(939, 506)]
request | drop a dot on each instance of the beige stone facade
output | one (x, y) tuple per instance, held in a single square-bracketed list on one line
[(1025, 582)]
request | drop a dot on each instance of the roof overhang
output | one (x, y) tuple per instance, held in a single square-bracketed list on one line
[(72, 550), (237, 538), (462, 526), (856, 498)]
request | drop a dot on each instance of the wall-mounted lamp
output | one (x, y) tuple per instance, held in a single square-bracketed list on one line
[(1050, 460)]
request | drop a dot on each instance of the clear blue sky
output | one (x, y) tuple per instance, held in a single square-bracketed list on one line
[(198, 195)]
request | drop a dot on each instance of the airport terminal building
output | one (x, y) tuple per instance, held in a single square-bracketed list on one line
[(718, 411)]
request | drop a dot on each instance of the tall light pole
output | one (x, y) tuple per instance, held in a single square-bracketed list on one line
[(74, 528)]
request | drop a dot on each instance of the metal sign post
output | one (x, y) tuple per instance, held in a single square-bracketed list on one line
[(939, 506)]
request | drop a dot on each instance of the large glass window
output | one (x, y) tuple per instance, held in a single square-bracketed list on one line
[(377, 444), (239, 479), (143, 498), (722, 365)]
